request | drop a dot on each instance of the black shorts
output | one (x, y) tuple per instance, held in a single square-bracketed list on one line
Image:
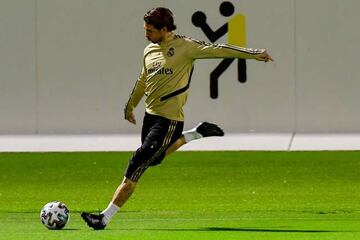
[(158, 133)]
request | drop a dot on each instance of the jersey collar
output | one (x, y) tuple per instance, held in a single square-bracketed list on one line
[(169, 38)]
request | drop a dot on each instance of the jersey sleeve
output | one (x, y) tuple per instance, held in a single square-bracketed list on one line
[(199, 49), (136, 94)]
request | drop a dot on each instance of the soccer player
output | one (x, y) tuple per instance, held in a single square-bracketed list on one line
[(164, 80)]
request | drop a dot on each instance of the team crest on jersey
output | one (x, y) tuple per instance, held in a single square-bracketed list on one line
[(171, 52)]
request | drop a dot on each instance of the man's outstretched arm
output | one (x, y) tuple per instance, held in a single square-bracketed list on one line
[(199, 50)]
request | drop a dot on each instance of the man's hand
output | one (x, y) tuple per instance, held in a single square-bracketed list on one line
[(264, 57), (131, 118)]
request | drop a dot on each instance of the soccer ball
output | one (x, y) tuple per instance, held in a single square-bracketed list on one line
[(54, 215)]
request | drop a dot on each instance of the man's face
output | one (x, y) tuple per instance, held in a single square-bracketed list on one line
[(154, 35)]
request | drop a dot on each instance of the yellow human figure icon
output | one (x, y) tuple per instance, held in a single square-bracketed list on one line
[(237, 37), (237, 30)]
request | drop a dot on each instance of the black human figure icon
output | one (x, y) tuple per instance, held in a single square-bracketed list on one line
[(199, 20)]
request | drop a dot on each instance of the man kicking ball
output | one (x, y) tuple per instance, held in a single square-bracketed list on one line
[(165, 80)]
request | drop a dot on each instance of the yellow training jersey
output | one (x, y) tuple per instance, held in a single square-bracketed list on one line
[(166, 73)]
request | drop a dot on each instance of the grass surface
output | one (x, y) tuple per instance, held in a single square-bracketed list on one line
[(191, 195)]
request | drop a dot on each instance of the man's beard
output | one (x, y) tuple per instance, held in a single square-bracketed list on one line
[(155, 41)]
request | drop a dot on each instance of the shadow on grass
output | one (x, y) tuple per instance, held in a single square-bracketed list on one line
[(268, 230), (244, 229), (70, 229)]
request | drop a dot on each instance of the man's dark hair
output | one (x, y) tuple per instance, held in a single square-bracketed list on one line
[(160, 17)]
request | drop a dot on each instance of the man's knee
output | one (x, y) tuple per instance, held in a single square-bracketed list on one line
[(147, 150), (149, 154)]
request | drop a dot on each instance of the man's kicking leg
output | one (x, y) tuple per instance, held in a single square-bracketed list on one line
[(127, 187), (203, 129)]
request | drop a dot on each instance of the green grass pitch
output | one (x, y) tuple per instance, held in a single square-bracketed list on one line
[(191, 195)]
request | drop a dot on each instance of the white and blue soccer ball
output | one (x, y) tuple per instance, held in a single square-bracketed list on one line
[(54, 215)]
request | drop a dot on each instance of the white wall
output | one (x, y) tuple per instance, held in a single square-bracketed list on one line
[(68, 66), (18, 83), (327, 68)]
